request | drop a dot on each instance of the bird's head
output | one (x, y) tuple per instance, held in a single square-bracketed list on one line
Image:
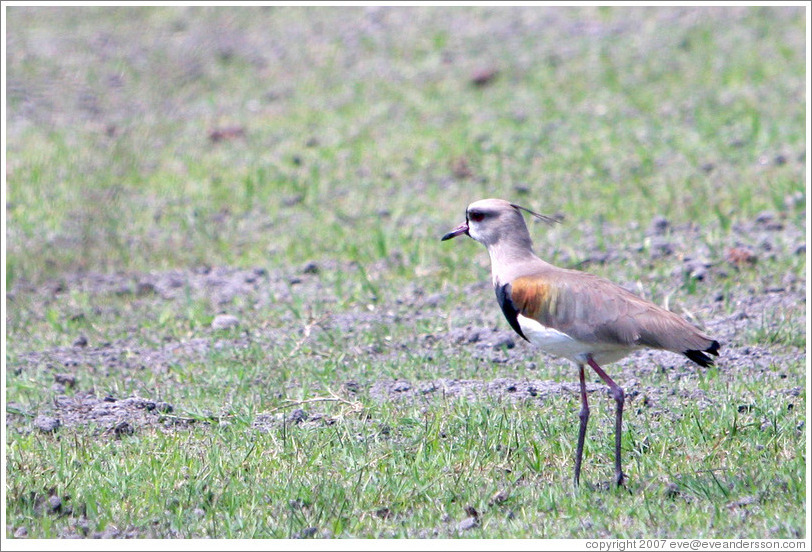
[(490, 221)]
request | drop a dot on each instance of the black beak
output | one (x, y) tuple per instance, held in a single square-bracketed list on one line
[(461, 229)]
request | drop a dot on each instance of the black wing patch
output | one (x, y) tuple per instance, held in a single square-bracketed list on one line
[(508, 308), (701, 358)]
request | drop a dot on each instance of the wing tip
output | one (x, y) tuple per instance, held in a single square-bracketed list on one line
[(701, 358)]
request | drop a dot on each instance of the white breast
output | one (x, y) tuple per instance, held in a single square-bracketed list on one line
[(562, 345)]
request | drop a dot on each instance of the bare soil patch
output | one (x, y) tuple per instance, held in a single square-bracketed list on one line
[(75, 401)]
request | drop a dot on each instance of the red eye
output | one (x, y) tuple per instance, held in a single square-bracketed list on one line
[(476, 216)]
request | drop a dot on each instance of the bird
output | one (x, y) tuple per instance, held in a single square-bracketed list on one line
[(571, 314)]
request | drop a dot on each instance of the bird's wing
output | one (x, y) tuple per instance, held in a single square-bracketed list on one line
[(591, 309)]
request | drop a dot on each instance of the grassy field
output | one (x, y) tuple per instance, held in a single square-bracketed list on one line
[(295, 168)]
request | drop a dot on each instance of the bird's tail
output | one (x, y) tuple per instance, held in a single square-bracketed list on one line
[(701, 358)]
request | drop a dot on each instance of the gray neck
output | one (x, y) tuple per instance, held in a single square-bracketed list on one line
[(513, 257)]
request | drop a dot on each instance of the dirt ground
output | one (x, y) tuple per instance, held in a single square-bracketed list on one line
[(767, 236)]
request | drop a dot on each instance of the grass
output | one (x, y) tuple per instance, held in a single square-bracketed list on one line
[(408, 472), (355, 123)]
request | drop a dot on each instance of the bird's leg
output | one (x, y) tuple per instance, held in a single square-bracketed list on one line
[(584, 416), (619, 397)]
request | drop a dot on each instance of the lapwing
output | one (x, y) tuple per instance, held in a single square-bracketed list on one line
[(572, 314)]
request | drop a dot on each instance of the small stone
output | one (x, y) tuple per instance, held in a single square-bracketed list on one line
[(68, 380), (659, 225), (80, 341), (768, 221), (427, 388), (228, 132), (199, 512), (123, 428), (484, 76), (467, 524), (46, 424), (54, 503), (21, 533), (297, 416), (311, 267), (696, 270), (434, 300), (505, 342), (225, 322)]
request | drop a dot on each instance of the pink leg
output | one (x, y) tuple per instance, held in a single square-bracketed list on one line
[(584, 416), (619, 397)]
